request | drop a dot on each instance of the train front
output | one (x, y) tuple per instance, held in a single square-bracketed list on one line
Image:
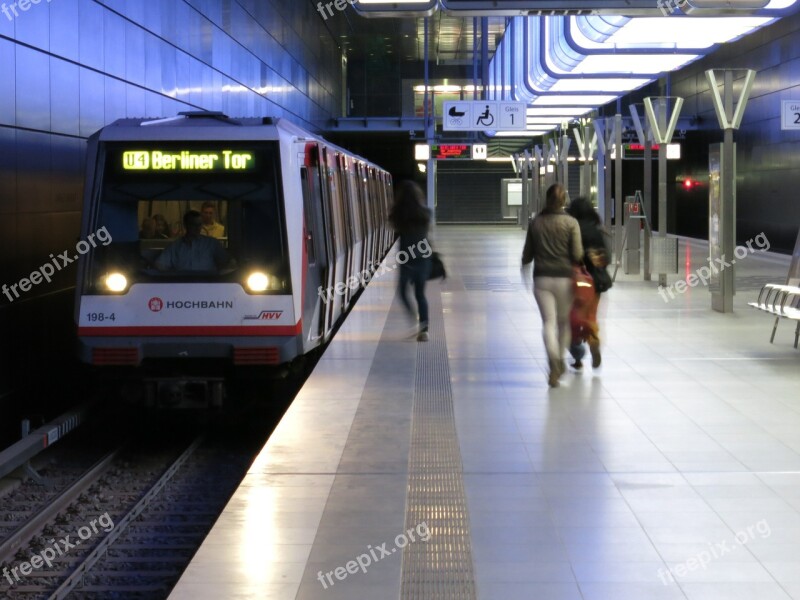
[(187, 268)]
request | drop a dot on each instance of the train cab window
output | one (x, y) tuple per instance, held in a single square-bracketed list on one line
[(161, 224), (236, 219)]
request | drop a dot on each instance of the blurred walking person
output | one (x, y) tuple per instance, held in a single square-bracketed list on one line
[(411, 220), (583, 317), (554, 245)]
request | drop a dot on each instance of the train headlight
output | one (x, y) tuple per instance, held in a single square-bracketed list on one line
[(257, 282), (116, 282)]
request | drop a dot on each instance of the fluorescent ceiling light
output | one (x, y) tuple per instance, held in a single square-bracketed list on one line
[(660, 32), (683, 33), (640, 64), (547, 120), (597, 85), (528, 133), (558, 111), (592, 101)]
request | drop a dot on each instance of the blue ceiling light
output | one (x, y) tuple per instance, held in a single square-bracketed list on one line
[(565, 66)]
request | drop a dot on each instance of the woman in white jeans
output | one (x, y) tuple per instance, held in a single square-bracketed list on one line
[(554, 245)]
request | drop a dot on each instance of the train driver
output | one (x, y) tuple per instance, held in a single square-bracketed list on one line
[(193, 251), (210, 226)]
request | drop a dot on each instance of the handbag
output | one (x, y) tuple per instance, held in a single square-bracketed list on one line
[(602, 279), (437, 267), (597, 260)]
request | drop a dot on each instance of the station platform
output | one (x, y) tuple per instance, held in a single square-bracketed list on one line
[(448, 469)]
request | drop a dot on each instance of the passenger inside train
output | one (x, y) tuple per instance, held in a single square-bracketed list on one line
[(194, 251), (162, 227), (148, 230), (210, 226)]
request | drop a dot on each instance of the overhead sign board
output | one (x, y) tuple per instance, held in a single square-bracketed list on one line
[(790, 114), (483, 115)]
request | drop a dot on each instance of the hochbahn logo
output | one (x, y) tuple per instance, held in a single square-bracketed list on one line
[(265, 315), (157, 304)]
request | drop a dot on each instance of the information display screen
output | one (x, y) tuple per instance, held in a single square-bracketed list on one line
[(446, 151), (636, 151)]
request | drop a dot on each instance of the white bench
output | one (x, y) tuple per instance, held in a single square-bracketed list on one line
[(782, 301)]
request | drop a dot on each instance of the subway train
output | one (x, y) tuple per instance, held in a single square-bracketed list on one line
[(290, 220)]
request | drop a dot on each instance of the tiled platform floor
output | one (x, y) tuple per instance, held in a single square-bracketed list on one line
[(682, 449)]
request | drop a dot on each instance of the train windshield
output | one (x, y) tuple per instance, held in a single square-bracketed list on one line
[(197, 211)]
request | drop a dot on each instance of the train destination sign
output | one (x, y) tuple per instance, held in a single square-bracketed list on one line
[(185, 160)]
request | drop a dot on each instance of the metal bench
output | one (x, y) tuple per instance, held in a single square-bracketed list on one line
[(782, 301)]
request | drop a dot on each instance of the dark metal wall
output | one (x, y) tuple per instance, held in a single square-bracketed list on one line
[(469, 192), (69, 67)]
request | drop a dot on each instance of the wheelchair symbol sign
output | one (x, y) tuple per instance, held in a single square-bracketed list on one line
[(485, 118), (482, 115)]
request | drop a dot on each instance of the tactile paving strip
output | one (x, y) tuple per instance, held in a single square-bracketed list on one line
[(441, 568)]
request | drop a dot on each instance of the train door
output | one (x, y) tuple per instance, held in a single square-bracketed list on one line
[(369, 225), (332, 299), (375, 194), (387, 199), (316, 316), (357, 220), (346, 207), (339, 229)]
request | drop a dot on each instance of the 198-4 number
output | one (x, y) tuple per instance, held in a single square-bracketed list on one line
[(100, 317)]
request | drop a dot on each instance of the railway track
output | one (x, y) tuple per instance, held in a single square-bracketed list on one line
[(129, 525)]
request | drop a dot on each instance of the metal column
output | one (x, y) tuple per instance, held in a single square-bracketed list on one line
[(721, 243), (663, 129), (645, 135)]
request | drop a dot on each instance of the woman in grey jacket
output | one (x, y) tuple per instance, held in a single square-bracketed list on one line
[(554, 245)]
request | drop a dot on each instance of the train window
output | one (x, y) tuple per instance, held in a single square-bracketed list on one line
[(337, 208), (235, 191), (310, 227)]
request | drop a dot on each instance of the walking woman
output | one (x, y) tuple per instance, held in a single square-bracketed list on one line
[(411, 219), (553, 243), (583, 317)]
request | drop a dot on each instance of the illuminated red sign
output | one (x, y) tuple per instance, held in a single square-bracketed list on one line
[(445, 151)]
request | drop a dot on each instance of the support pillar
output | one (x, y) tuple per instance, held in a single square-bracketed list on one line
[(722, 196)]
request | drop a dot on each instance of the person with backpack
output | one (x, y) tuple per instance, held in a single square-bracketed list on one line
[(583, 315)]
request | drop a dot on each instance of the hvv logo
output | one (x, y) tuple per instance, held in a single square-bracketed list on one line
[(265, 315)]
